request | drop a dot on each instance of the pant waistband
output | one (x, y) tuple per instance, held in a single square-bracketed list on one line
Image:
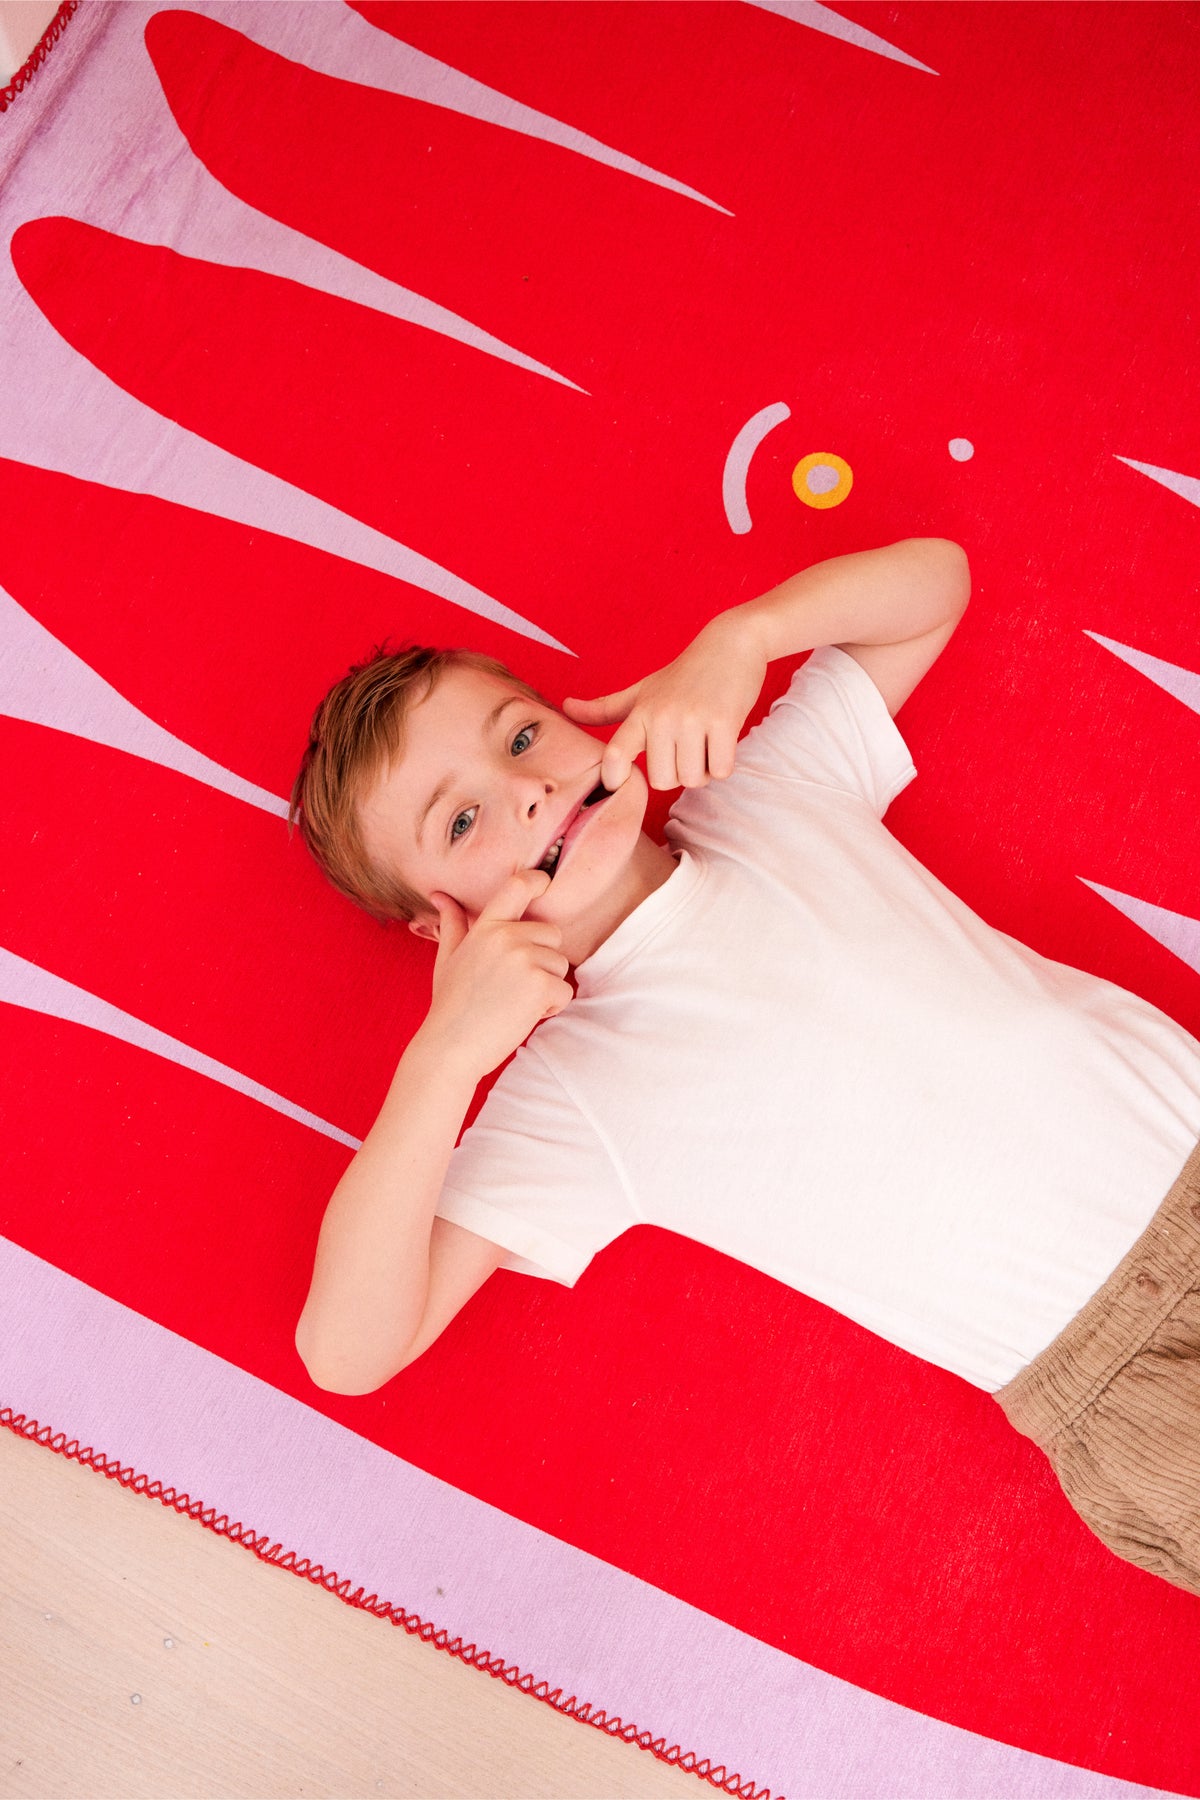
[(1051, 1391)]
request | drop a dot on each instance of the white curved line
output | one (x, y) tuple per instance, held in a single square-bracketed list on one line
[(737, 463)]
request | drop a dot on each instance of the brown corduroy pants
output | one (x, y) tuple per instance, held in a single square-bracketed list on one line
[(1114, 1401)]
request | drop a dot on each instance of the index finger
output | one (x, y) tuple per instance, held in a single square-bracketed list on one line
[(511, 898), (621, 752)]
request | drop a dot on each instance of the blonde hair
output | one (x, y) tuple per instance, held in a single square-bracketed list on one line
[(356, 729)]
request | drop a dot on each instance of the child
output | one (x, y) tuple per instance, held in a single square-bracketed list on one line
[(788, 1040)]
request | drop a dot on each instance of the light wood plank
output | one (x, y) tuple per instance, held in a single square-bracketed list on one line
[(22, 23), (271, 1687)]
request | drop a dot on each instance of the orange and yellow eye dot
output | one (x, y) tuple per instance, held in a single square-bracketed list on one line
[(822, 479)]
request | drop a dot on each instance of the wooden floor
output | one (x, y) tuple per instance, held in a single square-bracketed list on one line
[(143, 1657), (22, 23)]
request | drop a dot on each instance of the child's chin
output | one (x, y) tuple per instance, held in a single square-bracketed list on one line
[(553, 895), (559, 899)]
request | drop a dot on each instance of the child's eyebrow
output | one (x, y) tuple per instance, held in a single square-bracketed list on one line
[(443, 787)]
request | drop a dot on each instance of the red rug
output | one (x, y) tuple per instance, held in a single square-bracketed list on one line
[(965, 264)]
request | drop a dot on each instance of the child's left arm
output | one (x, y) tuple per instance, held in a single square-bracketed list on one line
[(892, 609)]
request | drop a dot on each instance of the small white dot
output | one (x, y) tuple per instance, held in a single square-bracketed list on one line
[(135, 1699), (961, 449), (168, 1643), (47, 1615)]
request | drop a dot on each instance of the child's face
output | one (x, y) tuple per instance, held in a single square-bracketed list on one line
[(507, 782)]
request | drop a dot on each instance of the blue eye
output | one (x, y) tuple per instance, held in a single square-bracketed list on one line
[(527, 733)]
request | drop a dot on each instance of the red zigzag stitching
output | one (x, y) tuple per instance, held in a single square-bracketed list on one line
[(22, 1426)]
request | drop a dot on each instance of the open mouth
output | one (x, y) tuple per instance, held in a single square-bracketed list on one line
[(553, 857)]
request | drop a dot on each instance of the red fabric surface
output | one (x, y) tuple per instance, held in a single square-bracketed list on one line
[(998, 252)]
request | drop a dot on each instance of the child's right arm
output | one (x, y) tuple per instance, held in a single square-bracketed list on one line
[(371, 1292)]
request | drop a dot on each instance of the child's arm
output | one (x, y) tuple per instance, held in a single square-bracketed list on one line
[(371, 1273), (892, 609), (381, 1289)]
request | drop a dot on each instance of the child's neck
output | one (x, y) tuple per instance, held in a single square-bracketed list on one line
[(650, 865)]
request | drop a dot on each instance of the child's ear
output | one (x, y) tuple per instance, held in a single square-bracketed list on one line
[(421, 929)]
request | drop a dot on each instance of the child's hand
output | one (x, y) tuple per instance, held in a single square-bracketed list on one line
[(496, 979), (686, 717)]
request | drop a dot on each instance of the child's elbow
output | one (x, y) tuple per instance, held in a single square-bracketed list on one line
[(958, 572), (940, 569), (341, 1381), (336, 1375)]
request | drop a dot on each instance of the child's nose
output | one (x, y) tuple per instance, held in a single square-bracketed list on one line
[(536, 796)]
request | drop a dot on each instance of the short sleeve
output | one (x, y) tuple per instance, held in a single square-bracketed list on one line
[(832, 727), (532, 1175)]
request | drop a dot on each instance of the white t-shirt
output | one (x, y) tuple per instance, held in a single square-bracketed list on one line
[(805, 1051)]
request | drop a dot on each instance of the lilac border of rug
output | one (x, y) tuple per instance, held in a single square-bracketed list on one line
[(151, 1401)]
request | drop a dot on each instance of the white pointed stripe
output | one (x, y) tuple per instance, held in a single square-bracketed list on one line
[(737, 463), (47, 684), (1184, 684), (823, 18), (190, 212), (278, 250), (61, 413), (25, 984), (1186, 486), (1176, 932), (353, 50)]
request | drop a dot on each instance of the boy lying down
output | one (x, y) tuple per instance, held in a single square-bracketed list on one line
[(787, 1039)]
